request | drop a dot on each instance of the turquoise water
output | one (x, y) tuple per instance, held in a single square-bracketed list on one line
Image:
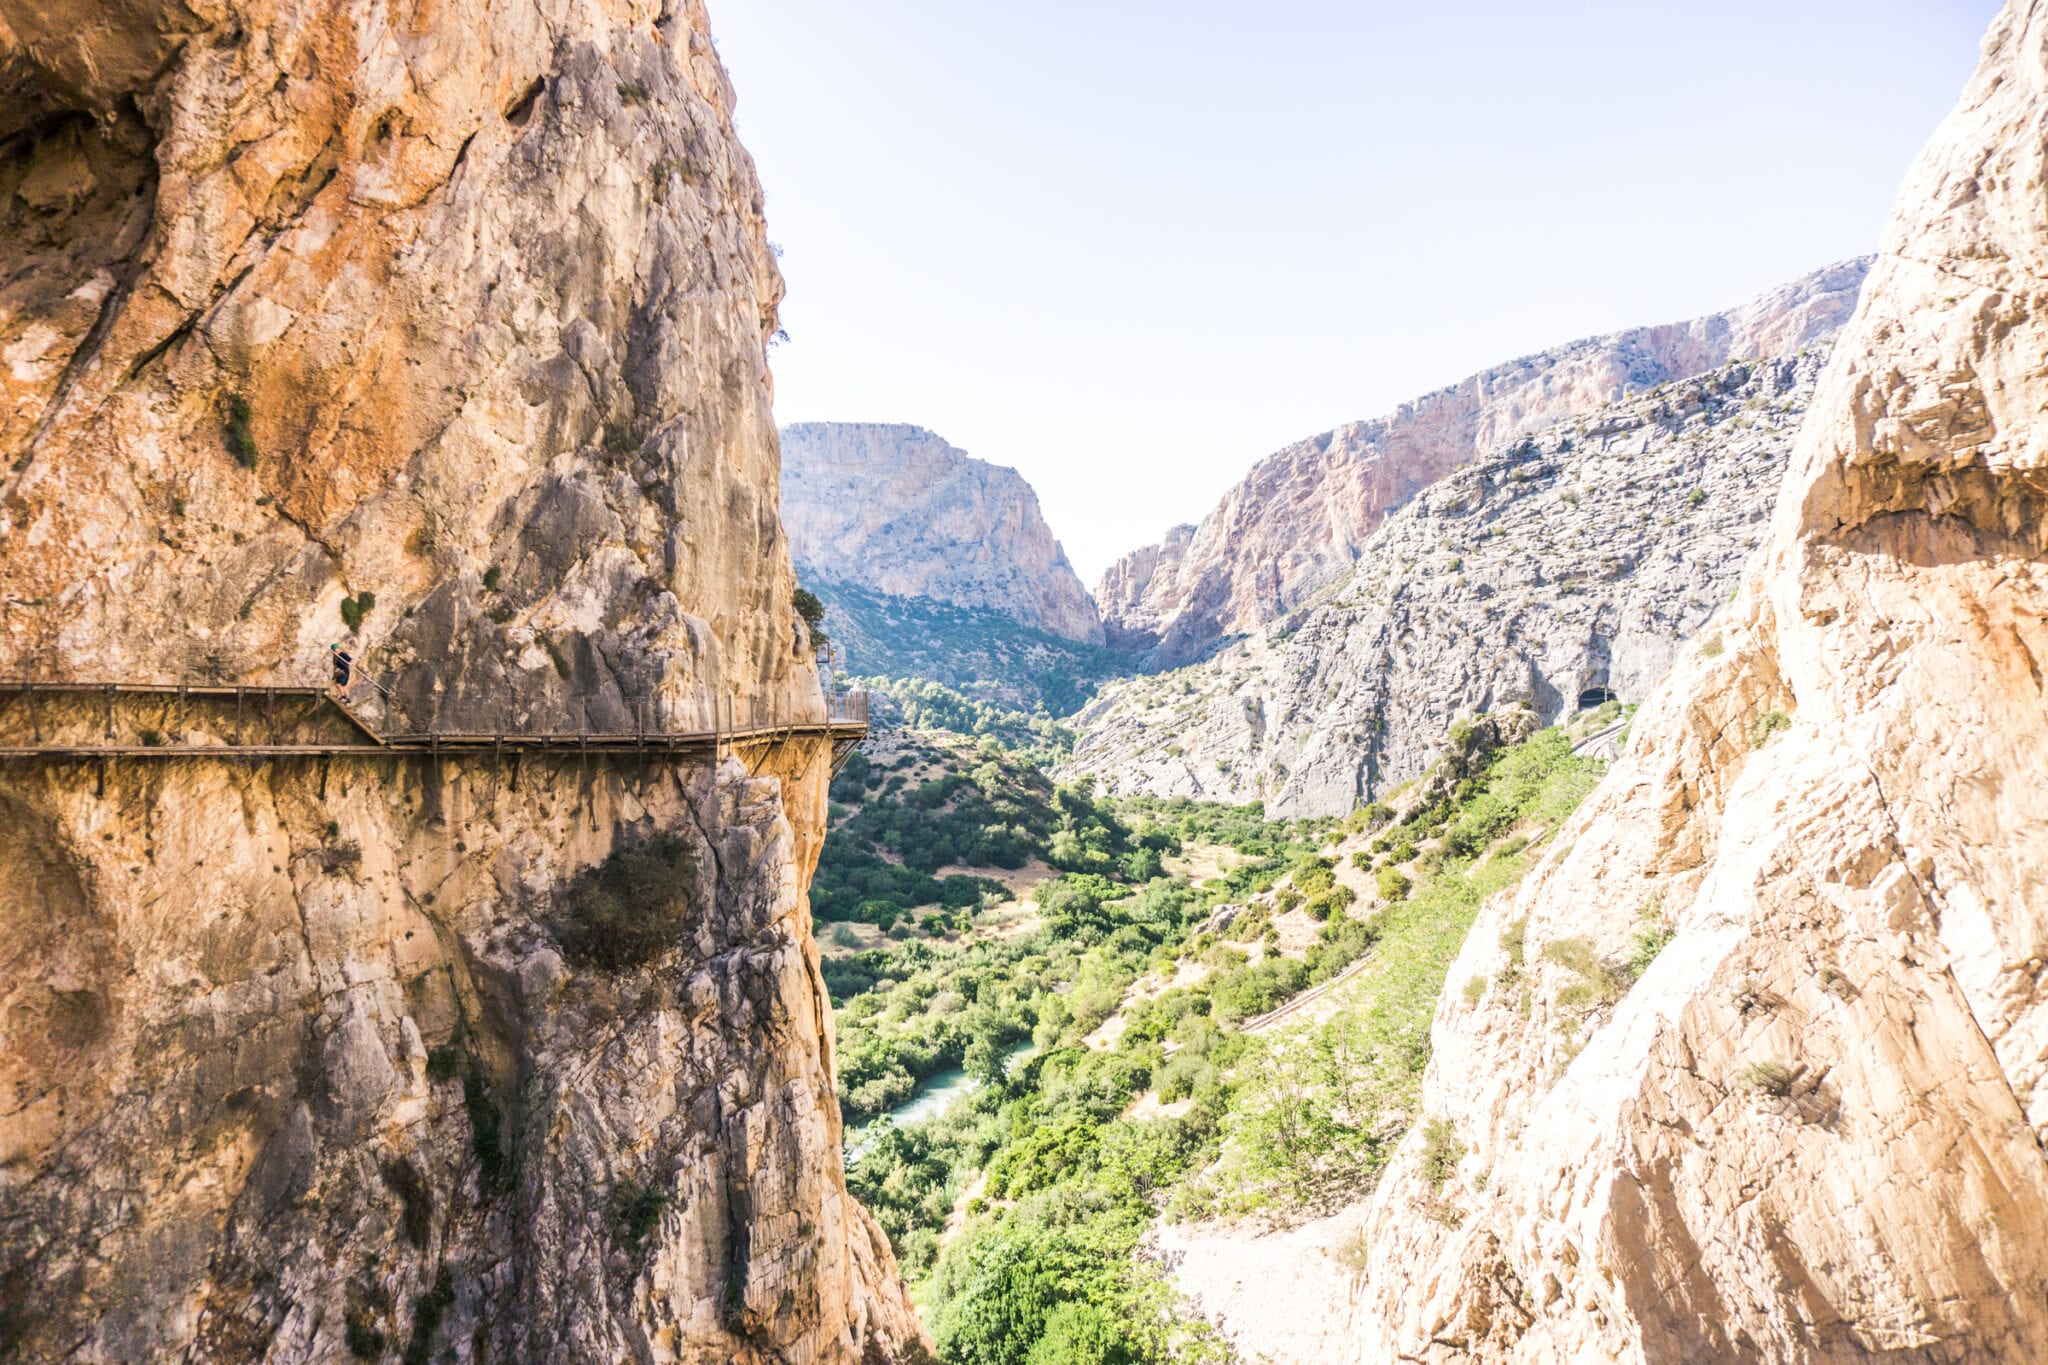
[(939, 1092)]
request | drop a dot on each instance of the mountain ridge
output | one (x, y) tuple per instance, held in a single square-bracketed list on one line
[(1300, 516)]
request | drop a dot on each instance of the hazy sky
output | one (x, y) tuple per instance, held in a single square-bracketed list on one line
[(1130, 246)]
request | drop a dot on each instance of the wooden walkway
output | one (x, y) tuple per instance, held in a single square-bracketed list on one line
[(844, 726)]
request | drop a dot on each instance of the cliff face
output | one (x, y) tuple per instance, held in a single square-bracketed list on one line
[(1566, 567), (440, 331), (895, 509), (1303, 516), (1812, 1130)]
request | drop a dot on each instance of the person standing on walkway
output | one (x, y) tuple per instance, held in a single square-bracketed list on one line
[(343, 664)]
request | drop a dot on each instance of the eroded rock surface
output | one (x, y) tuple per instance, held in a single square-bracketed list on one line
[(1305, 515), (1813, 1129), (438, 330), (897, 510), (1559, 571)]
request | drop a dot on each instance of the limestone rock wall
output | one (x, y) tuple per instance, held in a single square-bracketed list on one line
[(1566, 567), (896, 509), (1813, 1129), (1304, 515), (440, 330), (318, 300)]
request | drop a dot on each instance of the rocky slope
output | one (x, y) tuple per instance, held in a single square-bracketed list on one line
[(896, 510), (1303, 516), (1565, 568), (439, 330), (1813, 1129)]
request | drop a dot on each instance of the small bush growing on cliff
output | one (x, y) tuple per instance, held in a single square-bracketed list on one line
[(1772, 1078), (1597, 985), (630, 908), (1651, 939), (241, 441), (354, 609), (1441, 1151), (1768, 724), (634, 1212), (1393, 883)]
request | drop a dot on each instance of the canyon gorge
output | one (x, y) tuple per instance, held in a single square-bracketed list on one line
[(1551, 873)]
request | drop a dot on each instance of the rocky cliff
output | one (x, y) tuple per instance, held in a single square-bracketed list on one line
[(896, 510), (1812, 1129), (1303, 516), (1561, 571), (438, 330)]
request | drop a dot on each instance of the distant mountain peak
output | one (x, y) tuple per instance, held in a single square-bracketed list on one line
[(894, 508)]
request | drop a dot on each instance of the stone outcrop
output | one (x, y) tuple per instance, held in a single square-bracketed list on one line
[(1812, 1129), (896, 510), (439, 331), (1562, 570), (1304, 515)]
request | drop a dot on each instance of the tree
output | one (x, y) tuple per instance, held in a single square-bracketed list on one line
[(812, 612)]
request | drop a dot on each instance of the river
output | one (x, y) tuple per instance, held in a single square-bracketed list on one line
[(934, 1098)]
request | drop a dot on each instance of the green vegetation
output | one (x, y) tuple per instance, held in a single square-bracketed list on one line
[(634, 1212), (354, 609), (1767, 725), (1047, 1175), (630, 908), (981, 654), (235, 431), (811, 612), (1441, 1152), (1652, 938), (920, 704), (1769, 1077)]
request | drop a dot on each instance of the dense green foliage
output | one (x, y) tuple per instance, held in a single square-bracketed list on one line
[(1290, 1118), (984, 654), (921, 704), (982, 807), (631, 907)]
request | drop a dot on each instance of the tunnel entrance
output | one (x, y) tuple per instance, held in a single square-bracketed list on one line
[(1595, 696)]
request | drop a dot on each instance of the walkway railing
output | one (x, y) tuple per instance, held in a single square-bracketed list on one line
[(79, 720)]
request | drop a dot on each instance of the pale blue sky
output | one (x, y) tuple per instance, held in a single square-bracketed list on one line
[(1130, 246)]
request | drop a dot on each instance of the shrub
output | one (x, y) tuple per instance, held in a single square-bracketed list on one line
[(241, 441), (1330, 902), (1393, 884), (1651, 939), (1441, 1151), (844, 937), (1769, 1077), (1475, 990), (1767, 724), (630, 908), (1711, 647), (1514, 941), (354, 609), (634, 1212), (1596, 985)]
